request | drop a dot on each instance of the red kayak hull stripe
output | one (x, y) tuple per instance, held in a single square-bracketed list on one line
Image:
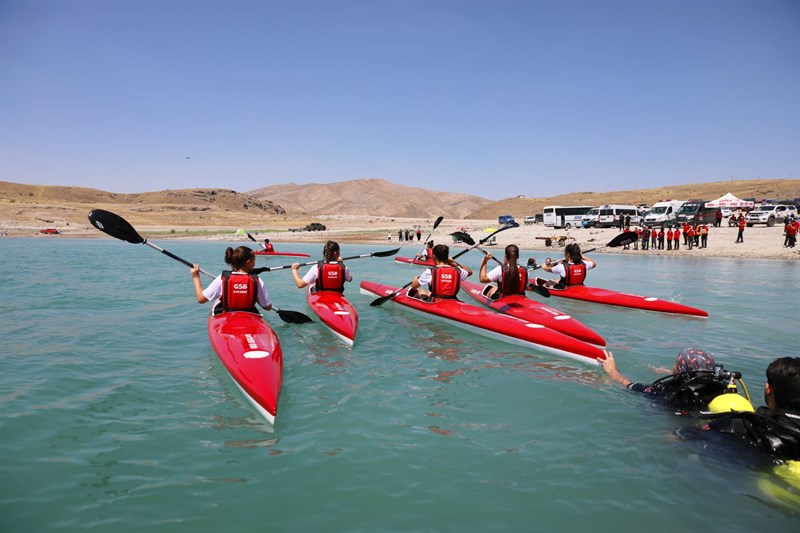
[(487, 323), (251, 353), (621, 299), (280, 254), (412, 261), (533, 311), (335, 312)]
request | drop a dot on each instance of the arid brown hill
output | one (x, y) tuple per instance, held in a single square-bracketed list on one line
[(370, 197), (760, 189), (59, 205)]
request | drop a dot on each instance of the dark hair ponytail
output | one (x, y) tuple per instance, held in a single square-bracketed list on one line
[(573, 251), (239, 257), (331, 251), (510, 269)]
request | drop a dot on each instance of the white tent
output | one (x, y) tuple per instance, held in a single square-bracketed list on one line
[(729, 200)]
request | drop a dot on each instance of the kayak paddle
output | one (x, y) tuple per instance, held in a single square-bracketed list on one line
[(255, 241), (465, 238), (119, 228), (425, 242), (385, 253), (383, 299)]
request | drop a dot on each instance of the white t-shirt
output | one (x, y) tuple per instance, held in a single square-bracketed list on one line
[(560, 270), (496, 274), (214, 291), (313, 273), (425, 277)]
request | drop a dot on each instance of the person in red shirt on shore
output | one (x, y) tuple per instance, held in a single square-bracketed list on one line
[(704, 236), (676, 236), (792, 228), (661, 238), (669, 239), (742, 224), (688, 232), (686, 239)]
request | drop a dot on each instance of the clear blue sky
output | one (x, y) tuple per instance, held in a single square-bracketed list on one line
[(488, 98)]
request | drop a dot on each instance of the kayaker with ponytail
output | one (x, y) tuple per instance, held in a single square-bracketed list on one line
[(510, 277), (330, 274), (237, 289), (443, 280), (572, 269)]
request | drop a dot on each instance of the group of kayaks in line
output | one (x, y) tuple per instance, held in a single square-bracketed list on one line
[(251, 351)]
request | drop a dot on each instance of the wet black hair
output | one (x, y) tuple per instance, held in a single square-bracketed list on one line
[(783, 375)]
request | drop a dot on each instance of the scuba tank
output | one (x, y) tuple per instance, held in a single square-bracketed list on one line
[(701, 391)]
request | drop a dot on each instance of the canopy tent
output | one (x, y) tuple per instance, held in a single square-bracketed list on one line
[(729, 200)]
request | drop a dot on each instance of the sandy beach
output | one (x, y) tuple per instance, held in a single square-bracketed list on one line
[(759, 241)]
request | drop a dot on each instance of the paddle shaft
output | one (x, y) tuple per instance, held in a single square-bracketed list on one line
[(309, 263)]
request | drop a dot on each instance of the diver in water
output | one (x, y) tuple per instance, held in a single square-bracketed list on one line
[(775, 427), (697, 384)]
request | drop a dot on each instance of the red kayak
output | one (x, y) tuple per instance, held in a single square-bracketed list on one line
[(520, 306), (412, 261), (336, 312), (251, 353), (490, 324), (621, 299), (280, 254)]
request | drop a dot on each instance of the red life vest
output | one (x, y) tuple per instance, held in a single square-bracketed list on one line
[(576, 274), (505, 286), (239, 291), (445, 282), (269, 248), (330, 276)]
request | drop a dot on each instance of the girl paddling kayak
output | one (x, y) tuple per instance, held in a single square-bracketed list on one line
[(572, 269)]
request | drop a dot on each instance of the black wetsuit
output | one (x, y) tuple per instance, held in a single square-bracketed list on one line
[(777, 434)]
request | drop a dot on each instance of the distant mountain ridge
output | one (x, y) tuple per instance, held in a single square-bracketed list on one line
[(370, 197)]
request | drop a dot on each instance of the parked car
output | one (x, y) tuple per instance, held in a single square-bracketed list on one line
[(505, 219), (49, 231), (529, 220), (770, 214), (315, 226)]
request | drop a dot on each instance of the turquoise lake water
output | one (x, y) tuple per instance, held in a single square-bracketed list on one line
[(116, 414)]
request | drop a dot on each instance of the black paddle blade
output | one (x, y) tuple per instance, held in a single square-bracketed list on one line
[(538, 289), (463, 237), (438, 221), (293, 317), (385, 253), (623, 239), (251, 238), (383, 299), (114, 225)]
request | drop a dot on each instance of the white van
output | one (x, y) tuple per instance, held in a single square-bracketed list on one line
[(663, 212), (610, 215), (590, 219)]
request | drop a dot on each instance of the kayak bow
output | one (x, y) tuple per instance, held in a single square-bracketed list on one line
[(494, 325), (336, 312), (520, 306), (251, 353), (621, 299)]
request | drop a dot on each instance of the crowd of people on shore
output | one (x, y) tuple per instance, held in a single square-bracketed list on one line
[(409, 234), (668, 237)]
